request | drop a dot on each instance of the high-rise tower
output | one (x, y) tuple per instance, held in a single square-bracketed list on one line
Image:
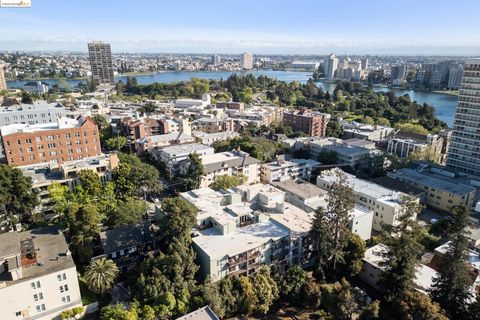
[(464, 151), (101, 63)]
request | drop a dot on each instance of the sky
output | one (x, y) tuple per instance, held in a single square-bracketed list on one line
[(385, 27)]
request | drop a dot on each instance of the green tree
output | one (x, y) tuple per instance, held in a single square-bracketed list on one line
[(333, 129), (178, 221), (351, 263), (117, 312), (100, 275), (247, 299), (330, 231), (16, 196), (226, 181), (194, 173), (26, 98), (212, 296), (338, 300), (246, 95), (135, 178), (291, 283), (90, 185), (128, 211), (83, 228), (371, 311), (116, 143), (451, 286), (404, 245), (58, 195), (101, 121), (265, 288), (418, 306)]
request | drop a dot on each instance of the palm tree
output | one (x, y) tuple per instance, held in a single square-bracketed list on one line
[(100, 275)]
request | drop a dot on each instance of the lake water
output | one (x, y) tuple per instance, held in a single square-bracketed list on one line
[(444, 104)]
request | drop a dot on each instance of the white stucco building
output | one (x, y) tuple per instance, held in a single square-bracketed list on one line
[(385, 203), (38, 279)]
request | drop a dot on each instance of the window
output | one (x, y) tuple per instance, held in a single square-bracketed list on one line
[(43, 307), (36, 285), (64, 288), (64, 276), (61, 289), (59, 277), (18, 313), (38, 296), (66, 299)]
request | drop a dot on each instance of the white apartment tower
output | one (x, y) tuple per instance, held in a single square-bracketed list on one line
[(3, 83), (246, 61), (100, 55), (331, 65), (464, 151)]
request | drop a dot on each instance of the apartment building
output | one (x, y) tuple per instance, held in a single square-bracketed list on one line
[(345, 153), (282, 169), (464, 152), (229, 163), (209, 138), (209, 125), (312, 123), (246, 61), (257, 116), (373, 266), (38, 278), (140, 128), (247, 227), (385, 203), (403, 143), (231, 105), (172, 156), (38, 112), (309, 198), (442, 190), (126, 245), (366, 131), (55, 142), (45, 174), (100, 56), (162, 140)]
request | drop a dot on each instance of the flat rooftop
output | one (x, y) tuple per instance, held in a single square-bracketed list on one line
[(437, 181), (423, 274), (363, 187), (280, 164), (294, 219), (62, 123), (185, 149), (243, 239), (37, 105), (173, 136), (301, 188)]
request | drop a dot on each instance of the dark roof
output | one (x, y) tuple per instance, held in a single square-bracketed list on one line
[(116, 239), (204, 313), (236, 162), (394, 184)]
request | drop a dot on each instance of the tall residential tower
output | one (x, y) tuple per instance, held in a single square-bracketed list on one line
[(330, 66), (3, 84), (100, 55), (464, 151), (246, 61)]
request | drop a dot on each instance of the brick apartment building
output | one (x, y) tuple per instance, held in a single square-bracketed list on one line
[(56, 142), (312, 123), (141, 128)]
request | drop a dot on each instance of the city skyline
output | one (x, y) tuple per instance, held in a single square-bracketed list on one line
[(375, 27)]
